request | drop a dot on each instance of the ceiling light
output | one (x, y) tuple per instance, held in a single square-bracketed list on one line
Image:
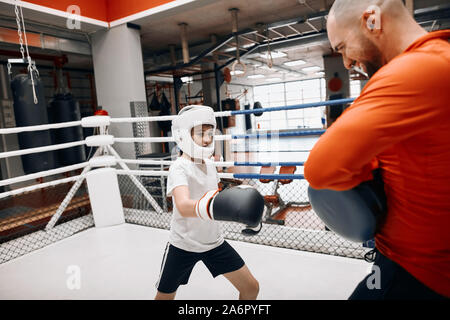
[(187, 79), (236, 72), (273, 79), (256, 76), (321, 73), (311, 69), (274, 54), (294, 63)]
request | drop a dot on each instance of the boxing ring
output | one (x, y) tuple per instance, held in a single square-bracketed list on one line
[(105, 233), (122, 262)]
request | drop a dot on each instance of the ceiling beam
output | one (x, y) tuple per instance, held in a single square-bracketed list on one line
[(42, 41)]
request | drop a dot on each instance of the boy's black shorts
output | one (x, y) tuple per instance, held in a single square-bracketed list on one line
[(177, 265)]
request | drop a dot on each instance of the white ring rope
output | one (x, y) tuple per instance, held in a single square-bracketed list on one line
[(39, 186), (152, 173), (43, 174), (169, 162), (161, 118), (67, 199), (145, 140), (80, 178), (83, 142), (226, 175), (225, 137), (101, 141), (149, 162), (40, 127), (98, 121), (145, 173), (80, 123), (41, 149)]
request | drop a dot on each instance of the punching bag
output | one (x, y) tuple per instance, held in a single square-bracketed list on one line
[(154, 104), (165, 126), (248, 121), (64, 108), (257, 105), (27, 113)]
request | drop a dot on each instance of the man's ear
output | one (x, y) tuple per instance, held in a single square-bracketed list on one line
[(371, 20)]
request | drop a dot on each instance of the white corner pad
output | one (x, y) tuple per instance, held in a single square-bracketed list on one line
[(100, 140), (104, 194), (103, 161), (95, 121)]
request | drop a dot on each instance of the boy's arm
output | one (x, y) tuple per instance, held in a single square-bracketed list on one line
[(242, 204), (184, 203)]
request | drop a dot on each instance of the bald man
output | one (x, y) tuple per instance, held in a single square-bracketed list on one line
[(400, 124)]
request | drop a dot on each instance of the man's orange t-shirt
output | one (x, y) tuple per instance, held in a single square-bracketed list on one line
[(401, 123)]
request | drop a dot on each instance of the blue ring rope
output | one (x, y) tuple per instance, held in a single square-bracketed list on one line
[(295, 107), (269, 176), (268, 164), (279, 134)]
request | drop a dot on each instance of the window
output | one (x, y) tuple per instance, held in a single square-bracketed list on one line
[(288, 94)]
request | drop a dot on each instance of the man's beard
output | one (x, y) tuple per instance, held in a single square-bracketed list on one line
[(374, 60), (371, 67)]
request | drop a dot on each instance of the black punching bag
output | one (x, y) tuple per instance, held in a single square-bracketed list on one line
[(64, 108), (27, 113), (248, 121)]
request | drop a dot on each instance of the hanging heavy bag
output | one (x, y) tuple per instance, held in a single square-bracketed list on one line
[(27, 113), (154, 104), (165, 126), (248, 121), (165, 111), (257, 105), (64, 108)]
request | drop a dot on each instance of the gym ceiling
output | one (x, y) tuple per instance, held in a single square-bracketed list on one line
[(292, 31)]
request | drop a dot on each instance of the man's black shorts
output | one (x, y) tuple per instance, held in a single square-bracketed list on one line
[(177, 265), (395, 284)]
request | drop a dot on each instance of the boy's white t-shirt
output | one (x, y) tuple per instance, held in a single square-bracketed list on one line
[(193, 234)]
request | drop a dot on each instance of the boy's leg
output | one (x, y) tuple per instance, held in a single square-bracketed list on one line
[(176, 268), (165, 296), (244, 282), (226, 261)]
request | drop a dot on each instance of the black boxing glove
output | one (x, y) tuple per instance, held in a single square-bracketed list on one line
[(243, 204)]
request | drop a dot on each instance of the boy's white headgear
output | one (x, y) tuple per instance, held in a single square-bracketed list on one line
[(188, 118)]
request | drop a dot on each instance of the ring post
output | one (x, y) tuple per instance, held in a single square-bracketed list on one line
[(104, 194)]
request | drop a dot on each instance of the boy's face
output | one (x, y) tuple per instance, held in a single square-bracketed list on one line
[(203, 135)]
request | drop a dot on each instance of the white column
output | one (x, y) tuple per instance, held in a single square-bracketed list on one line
[(119, 78)]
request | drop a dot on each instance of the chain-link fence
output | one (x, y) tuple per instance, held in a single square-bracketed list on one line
[(289, 221), (23, 219)]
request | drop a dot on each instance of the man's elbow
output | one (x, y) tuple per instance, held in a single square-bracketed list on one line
[(315, 177), (333, 178)]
